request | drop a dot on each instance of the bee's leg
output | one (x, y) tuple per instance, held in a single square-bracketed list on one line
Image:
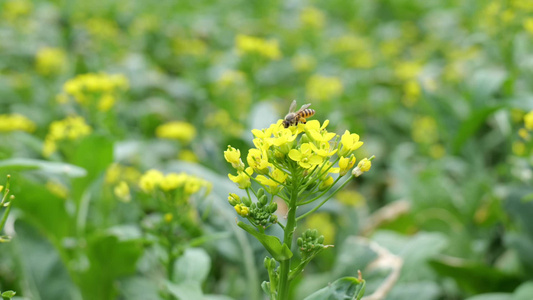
[(303, 121)]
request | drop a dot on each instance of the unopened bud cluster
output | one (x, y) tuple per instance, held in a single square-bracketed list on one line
[(310, 242), (260, 213)]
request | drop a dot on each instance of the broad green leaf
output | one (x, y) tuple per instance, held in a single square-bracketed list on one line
[(186, 290), (524, 291), (471, 125), (193, 265), (139, 288), (475, 277), (346, 288), (492, 296), (272, 244), (25, 164)]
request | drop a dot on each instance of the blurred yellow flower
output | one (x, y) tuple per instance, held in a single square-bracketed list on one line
[(193, 47), (150, 180), (424, 130), (519, 148), (122, 191), (303, 62), (172, 181), (102, 28), (253, 45), (176, 130), (14, 122), (57, 189), (187, 155), (71, 128), (407, 70), (528, 120), (350, 198), (312, 17), (51, 61), (437, 151), (323, 88), (412, 92), (14, 9)]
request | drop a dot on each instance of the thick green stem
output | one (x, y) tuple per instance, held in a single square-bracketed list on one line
[(285, 267)]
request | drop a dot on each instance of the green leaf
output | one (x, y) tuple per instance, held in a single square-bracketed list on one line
[(9, 294), (524, 291), (186, 290), (492, 296), (25, 164), (471, 125), (343, 289), (273, 245), (139, 288), (193, 265)]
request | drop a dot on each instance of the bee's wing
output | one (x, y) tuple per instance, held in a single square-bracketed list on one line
[(293, 106), (304, 106)]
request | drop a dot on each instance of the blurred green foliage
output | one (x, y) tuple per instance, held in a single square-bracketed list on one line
[(438, 90)]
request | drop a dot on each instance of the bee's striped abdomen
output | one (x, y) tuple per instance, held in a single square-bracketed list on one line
[(306, 113)]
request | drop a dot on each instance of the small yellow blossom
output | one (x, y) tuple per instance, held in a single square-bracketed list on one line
[(412, 92), (349, 143), (13, 9), (94, 90), (408, 70), (122, 191), (274, 181), (106, 102), (172, 181), (345, 164), (188, 155), (150, 180), (528, 120), (242, 210), (363, 166), (14, 122), (425, 130), (323, 88), (234, 199), (317, 132), (324, 149), (102, 28), (168, 217), (71, 128), (303, 62), (51, 61), (182, 131), (519, 148), (524, 134), (258, 160), (528, 25), (57, 189), (253, 45), (312, 17), (242, 179), (305, 157), (233, 156), (326, 183)]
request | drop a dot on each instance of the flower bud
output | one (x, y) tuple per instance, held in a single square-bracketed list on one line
[(246, 201), (263, 200), (273, 219), (272, 207), (260, 192), (326, 184), (234, 199), (266, 262), (320, 240)]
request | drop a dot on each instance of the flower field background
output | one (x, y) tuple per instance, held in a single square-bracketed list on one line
[(116, 116)]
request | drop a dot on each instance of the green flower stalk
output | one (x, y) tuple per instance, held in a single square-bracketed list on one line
[(302, 165), (5, 205)]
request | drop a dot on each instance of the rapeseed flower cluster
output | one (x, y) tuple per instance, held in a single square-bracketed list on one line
[(14, 122), (50, 61), (323, 88), (97, 90), (72, 128), (186, 184), (176, 130), (253, 45), (300, 159), (523, 146)]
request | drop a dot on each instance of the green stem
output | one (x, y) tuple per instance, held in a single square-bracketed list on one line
[(285, 266), (324, 201)]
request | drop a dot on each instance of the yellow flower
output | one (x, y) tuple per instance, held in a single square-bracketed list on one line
[(168, 217), (524, 134), (323, 88), (122, 191), (349, 143), (182, 131), (324, 149), (51, 61), (253, 45), (303, 62), (528, 120), (283, 139), (106, 102), (13, 122), (242, 210), (363, 166), (188, 155), (425, 130), (412, 92), (273, 184), (528, 25), (305, 157), (242, 179), (57, 189), (345, 164), (312, 17), (193, 185), (408, 70), (233, 156), (326, 183), (258, 160), (150, 180), (234, 199), (318, 133), (94, 90), (172, 181)]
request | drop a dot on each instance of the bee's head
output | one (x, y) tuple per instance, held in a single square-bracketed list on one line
[(285, 123)]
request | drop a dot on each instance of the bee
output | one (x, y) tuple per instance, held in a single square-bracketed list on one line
[(293, 118)]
